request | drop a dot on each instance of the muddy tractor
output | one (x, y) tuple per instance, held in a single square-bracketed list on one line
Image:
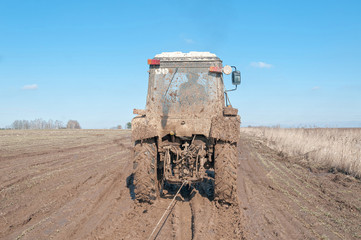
[(188, 131)]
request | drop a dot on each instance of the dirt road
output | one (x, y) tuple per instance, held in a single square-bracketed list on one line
[(78, 185)]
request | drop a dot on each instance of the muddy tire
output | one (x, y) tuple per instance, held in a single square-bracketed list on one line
[(145, 171), (225, 169)]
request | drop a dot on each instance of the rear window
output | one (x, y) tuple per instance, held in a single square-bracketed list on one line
[(183, 91)]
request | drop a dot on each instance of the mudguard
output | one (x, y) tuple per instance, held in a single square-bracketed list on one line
[(226, 128), (142, 129)]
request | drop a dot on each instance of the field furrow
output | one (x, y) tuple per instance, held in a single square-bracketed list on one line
[(78, 185)]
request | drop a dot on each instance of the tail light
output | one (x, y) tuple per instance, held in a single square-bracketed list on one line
[(153, 61), (215, 69)]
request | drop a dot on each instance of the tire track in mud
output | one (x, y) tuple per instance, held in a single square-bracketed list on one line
[(82, 193), (285, 200), (271, 211), (86, 194), (203, 215), (182, 221), (194, 218), (304, 196), (60, 187), (40, 177), (56, 163), (191, 218), (76, 214)]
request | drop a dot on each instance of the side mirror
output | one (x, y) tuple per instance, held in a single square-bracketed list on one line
[(236, 77)]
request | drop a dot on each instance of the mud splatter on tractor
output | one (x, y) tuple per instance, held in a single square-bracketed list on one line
[(189, 130)]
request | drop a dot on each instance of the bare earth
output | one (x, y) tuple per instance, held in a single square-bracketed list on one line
[(76, 184)]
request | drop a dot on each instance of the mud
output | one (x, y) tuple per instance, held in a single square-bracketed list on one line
[(142, 129), (221, 128), (284, 200), (78, 185)]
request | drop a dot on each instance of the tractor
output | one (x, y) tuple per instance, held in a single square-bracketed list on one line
[(188, 130)]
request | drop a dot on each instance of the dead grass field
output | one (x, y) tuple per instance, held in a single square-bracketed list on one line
[(337, 149)]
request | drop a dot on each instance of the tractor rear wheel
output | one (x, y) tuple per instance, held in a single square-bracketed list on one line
[(225, 169), (145, 171)]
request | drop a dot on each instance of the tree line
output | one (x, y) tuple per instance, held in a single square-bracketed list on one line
[(42, 124), (50, 124), (128, 125)]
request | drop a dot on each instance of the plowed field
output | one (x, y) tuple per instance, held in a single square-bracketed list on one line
[(77, 184)]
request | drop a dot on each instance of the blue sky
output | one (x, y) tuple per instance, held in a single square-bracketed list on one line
[(87, 60)]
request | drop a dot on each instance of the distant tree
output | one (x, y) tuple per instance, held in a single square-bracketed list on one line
[(58, 124), (36, 124), (119, 127), (129, 125), (25, 124), (15, 124), (73, 124), (50, 124)]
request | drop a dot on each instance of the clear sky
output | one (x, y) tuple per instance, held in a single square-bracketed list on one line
[(87, 60)]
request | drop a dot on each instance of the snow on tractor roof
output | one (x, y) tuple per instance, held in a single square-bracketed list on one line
[(191, 56), (185, 55)]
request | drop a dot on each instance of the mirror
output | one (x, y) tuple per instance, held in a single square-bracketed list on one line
[(236, 77)]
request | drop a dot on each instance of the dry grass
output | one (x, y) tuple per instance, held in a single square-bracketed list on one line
[(325, 147)]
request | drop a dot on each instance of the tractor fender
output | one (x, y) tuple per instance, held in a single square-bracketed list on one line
[(142, 129), (226, 128)]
